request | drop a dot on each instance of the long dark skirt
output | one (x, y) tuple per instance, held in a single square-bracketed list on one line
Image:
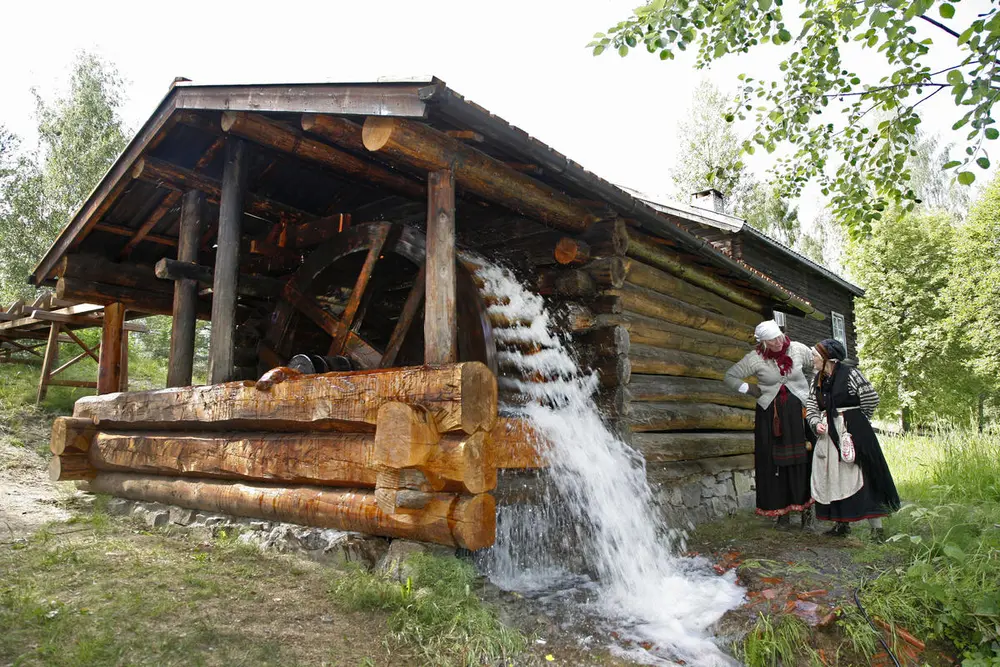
[(782, 487), (878, 496)]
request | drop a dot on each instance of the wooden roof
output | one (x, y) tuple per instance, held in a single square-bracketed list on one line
[(133, 212)]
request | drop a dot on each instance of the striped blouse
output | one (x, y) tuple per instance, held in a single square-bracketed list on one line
[(857, 385)]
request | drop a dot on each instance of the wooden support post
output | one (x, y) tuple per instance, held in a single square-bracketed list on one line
[(185, 293), (49, 360), (440, 318), (109, 370), (123, 383), (227, 263)]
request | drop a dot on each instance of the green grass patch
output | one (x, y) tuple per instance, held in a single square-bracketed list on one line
[(435, 612), (773, 641)]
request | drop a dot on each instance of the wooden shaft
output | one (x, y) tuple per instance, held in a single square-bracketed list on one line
[(288, 140), (658, 361), (227, 263), (440, 312), (48, 361), (182, 328), (657, 447), (673, 416), (653, 304), (109, 368), (173, 176), (422, 147), (461, 397), (661, 388), (465, 521), (257, 287)]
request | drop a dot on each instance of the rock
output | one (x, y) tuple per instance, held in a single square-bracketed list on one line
[(157, 518), (743, 482), (747, 500), (182, 516), (691, 493), (393, 563), (119, 507)]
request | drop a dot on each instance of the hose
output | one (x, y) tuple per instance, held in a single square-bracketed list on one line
[(857, 601)]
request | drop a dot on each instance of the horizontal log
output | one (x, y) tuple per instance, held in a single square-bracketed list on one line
[(659, 388), (422, 147), (466, 521), (671, 472), (650, 251), (285, 139), (135, 300), (175, 177), (651, 331), (70, 466), (674, 416), (459, 396), (405, 435), (572, 252), (656, 447), (565, 283), (660, 306), (99, 269), (609, 341), (335, 129), (83, 320), (608, 238), (643, 275), (608, 271), (261, 287), (576, 318), (658, 361), (612, 371), (513, 443)]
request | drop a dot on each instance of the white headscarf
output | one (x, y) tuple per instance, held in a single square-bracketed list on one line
[(767, 330)]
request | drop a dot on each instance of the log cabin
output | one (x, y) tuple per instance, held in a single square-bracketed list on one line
[(347, 222)]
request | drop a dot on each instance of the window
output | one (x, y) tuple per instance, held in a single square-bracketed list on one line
[(839, 330), (779, 317)]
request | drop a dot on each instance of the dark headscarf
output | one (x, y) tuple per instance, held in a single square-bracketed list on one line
[(830, 350)]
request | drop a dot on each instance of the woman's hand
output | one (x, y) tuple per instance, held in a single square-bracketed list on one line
[(753, 390), (821, 428)]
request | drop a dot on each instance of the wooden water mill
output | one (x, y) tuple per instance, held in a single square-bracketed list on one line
[(347, 222)]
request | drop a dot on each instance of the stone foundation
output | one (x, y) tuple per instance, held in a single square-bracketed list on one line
[(699, 497)]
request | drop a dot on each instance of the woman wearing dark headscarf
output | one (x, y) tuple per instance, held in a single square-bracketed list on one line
[(781, 457), (850, 478)]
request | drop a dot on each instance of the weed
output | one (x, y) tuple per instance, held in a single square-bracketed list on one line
[(434, 611), (772, 642)]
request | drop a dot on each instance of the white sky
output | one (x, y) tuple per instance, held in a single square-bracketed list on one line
[(524, 60)]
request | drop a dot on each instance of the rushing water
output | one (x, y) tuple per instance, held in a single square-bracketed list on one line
[(602, 533)]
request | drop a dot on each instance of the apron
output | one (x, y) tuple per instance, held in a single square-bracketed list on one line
[(832, 479)]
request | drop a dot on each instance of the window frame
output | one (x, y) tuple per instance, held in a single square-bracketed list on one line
[(836, 317), (779, 318)]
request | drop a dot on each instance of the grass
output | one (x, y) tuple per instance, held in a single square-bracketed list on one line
[(773, 641), (435, 610)]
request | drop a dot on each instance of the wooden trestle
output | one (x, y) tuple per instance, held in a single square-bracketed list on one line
[(401, 452)]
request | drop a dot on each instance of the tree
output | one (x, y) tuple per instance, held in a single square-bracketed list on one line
[(909, 349), (709, 156), (820, 108), (823, 243), (974, 288), (80, 136)]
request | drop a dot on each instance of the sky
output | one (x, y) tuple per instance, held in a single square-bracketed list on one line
[(524, 60)]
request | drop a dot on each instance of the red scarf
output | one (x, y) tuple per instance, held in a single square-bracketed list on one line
[(780, 357)]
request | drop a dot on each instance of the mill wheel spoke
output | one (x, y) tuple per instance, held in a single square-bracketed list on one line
[(406, 317), (346, 322), (354, 346)]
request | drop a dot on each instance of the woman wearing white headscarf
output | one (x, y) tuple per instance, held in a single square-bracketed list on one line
[(782, 457)]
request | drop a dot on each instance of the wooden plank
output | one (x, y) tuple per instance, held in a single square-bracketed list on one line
[(349, 99), (422, 147), (69, 363), (460, 397), (182, 327), (409, 313), (84, 346), (109, 371), (164, 207), (440, 314), (227, 263), (81, 320), (345, 322), (51, 355), (128, 231)]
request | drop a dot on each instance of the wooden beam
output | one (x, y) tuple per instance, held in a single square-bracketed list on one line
[(182, 327), (227, 263), (460, 397), (86, 348), (285, 139), (69, 363), (109, 371), (355, 347), (51, 355), (672, 416), (351, 99), (128, 231), (336, 130), (165, 206), (81, 320), (152, 303), (440, 312), (258, 287), (345, 322), (409, 313), (465, 135), (422, 147), (180, 179)]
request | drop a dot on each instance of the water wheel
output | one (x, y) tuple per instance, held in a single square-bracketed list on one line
[(360, 295)]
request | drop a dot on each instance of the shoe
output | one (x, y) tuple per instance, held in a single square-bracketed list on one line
[(784, 522), (807, 519), (878, 535), (839, 530)]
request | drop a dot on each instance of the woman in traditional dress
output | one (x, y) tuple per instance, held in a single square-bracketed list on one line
[(782, 459), (847, 485)]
